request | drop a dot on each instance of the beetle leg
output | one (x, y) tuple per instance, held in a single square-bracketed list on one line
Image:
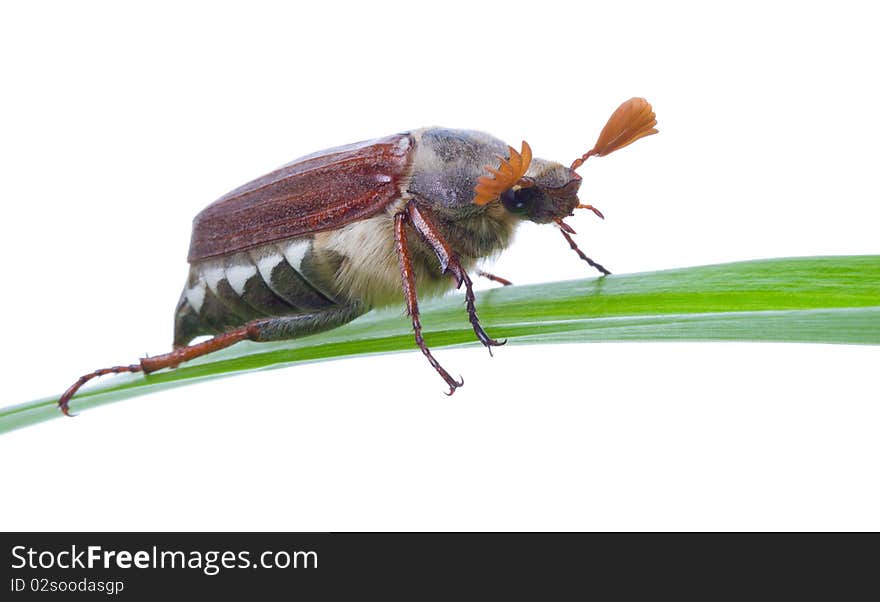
[(65, 398), (151, 364), (449, 263), (408, 279), (284, 328), (567, 231), (494, 278), (263, 330), (267, 329)]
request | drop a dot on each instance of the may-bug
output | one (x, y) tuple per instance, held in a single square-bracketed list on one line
[(322, 240)]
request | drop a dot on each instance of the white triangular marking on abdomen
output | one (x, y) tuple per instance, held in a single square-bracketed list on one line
[(195, 295), (213, 276), (238, 275), (295, 252), (267, 263)]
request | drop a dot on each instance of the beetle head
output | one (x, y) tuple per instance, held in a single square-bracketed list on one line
[(542, 191), (549, 195)]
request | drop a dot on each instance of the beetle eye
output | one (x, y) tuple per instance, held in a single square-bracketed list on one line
[(518, 201)]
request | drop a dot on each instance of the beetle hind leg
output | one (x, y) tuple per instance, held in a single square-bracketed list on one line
[(148, 365), (64, 400), (262, 330)]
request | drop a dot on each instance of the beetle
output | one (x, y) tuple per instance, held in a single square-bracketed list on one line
[(331, 235)]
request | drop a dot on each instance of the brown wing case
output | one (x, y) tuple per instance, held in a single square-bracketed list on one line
[(322, 191)]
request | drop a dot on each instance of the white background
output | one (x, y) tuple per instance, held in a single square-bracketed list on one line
[(120, 123)]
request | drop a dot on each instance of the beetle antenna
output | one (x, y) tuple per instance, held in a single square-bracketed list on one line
[(582, 159), (508, 174), (632, 120)]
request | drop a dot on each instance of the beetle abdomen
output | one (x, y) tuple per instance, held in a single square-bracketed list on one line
[(277, 279)]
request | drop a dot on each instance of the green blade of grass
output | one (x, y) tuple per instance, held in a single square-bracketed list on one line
[(812, 299)]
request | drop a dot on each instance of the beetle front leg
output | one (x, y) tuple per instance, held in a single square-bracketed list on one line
[(449, 263), (408, 280), (567, 231)]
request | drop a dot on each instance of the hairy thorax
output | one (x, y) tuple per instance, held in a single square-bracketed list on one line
[(368, 271)]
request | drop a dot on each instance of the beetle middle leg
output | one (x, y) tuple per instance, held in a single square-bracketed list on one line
[(449, 263), (408, 280)]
